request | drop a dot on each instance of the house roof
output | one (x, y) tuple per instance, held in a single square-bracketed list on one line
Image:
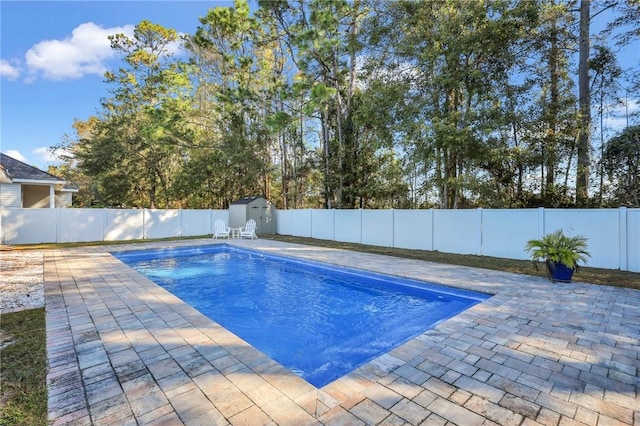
[(17, 171), (246, 200), (4, 176)]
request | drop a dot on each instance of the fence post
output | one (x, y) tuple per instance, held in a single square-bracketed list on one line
[(623, 239), (393, 227), (333, 220), (481, 231), (105, 218), (541, 222), (360, 226), (433, 229), (58, 219), (144, 224)]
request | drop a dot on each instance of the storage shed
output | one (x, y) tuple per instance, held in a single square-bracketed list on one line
[(257, 208)]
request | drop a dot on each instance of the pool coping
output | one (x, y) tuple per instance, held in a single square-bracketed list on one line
[(330, 359), (122, 350)]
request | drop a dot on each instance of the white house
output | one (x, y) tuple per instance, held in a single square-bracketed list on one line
[(25, 186)]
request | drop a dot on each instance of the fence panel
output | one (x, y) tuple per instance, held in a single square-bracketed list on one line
[(76, 225), (413, 229), (124, 225), (377, 227), (302, 223), (322, 226), (161, 223), (506, 232), (284, 222), (348, 225), (601, 227), (195, 222), (29, 226), (457, 231), (613, 234)]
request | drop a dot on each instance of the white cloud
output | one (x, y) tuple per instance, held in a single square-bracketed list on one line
[(621, 115), (84, 52), (16, 154), (630, 106), (50, 156), (176, 47), (9, 71), (616, 124)]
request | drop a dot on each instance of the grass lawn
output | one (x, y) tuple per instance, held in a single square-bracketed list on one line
[(23, 374), (23, 358), (611, 277)]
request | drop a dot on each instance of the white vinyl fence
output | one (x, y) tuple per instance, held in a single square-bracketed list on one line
[(63, 225), (613, 234)]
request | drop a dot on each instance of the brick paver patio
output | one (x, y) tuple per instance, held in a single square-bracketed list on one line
[(122, 350)]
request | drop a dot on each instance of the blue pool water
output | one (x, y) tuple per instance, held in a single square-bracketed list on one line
[(319, 321)]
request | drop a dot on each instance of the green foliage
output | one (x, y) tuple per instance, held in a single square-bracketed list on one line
[(132, 150), (622, 163), (348, 104), (557, 247), (460, 59)]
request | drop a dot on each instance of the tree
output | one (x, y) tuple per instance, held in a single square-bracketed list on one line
[(236, 81), (353, 104), (552, 128), (584, 138), (454, 63), (604, 86), (622, 162), (627, 31), (628, 21), (584, 96), (321, 38), (135, 147)]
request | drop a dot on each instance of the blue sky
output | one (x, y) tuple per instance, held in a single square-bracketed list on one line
[(52, 58), (53, 55)]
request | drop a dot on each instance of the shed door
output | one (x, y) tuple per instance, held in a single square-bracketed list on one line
[(258, 213), (254, 213)]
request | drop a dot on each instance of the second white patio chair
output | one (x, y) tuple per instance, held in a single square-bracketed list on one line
[(249, 229)]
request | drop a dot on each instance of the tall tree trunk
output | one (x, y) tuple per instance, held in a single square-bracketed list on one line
[(439, 177), (284, 168), (584, 141), (551, 141), (325, 140), (514, 129), (339, 126), (601, 167)]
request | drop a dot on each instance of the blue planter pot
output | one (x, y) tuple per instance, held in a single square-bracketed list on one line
[(558, 272)]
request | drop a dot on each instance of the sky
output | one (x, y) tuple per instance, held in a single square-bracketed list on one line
[(53, 55)]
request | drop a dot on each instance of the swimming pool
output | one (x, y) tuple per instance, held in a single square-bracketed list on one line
[(318, 320)]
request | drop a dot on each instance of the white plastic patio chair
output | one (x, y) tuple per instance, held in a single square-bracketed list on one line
[(220, 229), (249, 229)]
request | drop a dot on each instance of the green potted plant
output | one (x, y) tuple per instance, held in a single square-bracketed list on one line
[(560, 253)]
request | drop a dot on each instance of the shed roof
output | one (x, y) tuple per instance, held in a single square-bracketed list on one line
[(18, 171), (247, 200)]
